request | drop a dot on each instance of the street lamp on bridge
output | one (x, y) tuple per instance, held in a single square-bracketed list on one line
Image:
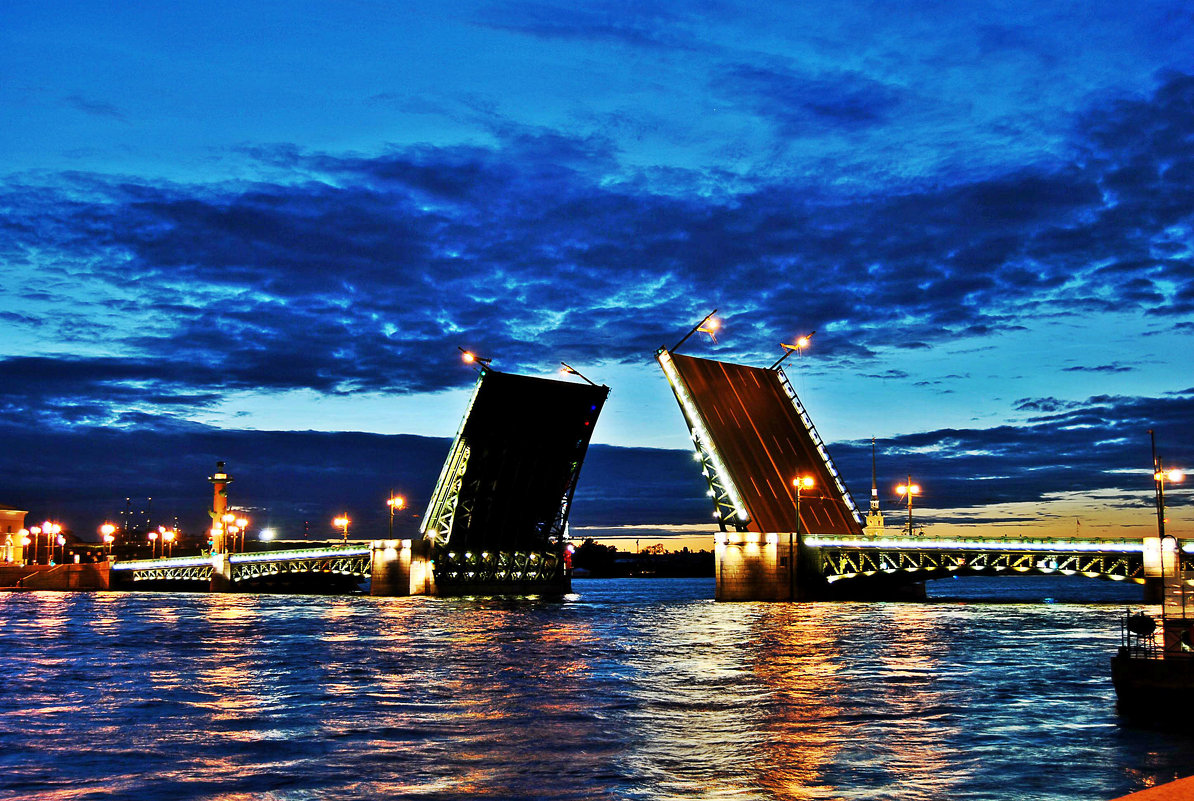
[(1160, 476), (568, 369), (800, 483), (108, 532), (342, 522), (798, 346), (907, 491), (395, 502), (708, 325), (469, 357)]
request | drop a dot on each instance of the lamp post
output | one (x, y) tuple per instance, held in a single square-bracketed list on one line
[(800, 483), (61, 540), (568, 369), (153, 543), (469, 357), (1160, 475), (708, 325), (342, 522), (36, 532), (798, 346), (168, 540), (108, 532), (395, 503), (52, 530), (907, 491), (23, 535)]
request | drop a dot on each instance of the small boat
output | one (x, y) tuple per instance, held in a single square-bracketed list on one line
[(1154, 682)]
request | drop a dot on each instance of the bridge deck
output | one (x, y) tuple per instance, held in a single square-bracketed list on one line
[(764, 443), (509, 478)]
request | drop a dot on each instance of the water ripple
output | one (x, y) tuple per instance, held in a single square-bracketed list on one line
[(628, 689)]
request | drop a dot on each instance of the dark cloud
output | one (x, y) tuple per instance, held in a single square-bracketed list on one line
[(1102, 368), (364, 272), (96, 108), (1041, 405), (648, 25), (801, 104)]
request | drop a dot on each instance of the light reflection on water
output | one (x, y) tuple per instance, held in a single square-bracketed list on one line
[(628, 689)]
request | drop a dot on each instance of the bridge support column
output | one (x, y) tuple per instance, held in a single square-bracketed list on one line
[(221, 573), (1161, 566), (756, 567), (401, 567)]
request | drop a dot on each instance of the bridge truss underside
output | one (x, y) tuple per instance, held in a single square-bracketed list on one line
[(506, 571), (333, 571), (916, 560), (291, 571), (173, 573)]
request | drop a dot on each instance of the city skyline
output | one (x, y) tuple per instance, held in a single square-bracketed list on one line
[(232, 233)]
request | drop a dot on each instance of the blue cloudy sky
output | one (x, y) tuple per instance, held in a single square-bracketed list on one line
[(232, 230)]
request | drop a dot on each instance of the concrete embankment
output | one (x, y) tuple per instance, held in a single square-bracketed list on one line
[(54, 577)]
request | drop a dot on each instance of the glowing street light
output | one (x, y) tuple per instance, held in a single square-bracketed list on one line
[(24, 541), (153, 543), (242, 526), (907, 491), (568, 369), (168, 540), (800, 483), (469, 357), (50, 530), (395, 502), (708, 325), (1160, 476), (61, 545), (797, 347), (108, 532), (342, 522)]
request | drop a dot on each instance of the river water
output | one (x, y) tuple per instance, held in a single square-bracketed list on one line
[(628, 689)]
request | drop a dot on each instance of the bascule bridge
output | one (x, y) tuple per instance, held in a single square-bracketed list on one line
[(777, 541), (498, 517), (497, 522)]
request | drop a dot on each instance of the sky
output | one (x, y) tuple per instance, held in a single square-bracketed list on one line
[(260, 232)]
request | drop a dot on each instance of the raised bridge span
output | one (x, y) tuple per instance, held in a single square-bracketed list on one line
[(753, 437), (496, 523)]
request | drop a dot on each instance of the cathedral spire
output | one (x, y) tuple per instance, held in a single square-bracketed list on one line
[(874, 517)]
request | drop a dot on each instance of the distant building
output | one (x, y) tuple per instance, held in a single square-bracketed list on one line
[(12, 521)]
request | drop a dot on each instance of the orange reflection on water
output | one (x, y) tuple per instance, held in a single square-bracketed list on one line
[(796, 657), (515, 679), (886, 658)]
